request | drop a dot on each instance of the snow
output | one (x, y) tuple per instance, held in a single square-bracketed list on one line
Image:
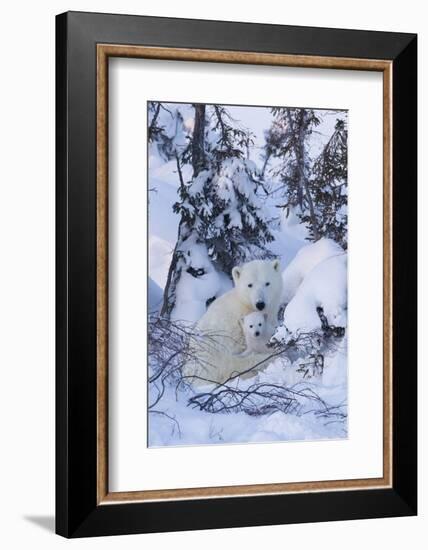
[(155, 296), (160, 254), (193, 293), (198, 428), (324, 286), (305, 260), (313, 275)]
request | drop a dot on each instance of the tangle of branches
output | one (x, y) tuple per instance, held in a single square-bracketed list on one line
[(170, 348)]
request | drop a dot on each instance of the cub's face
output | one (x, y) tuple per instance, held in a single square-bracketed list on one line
[(254, 324), (258, 283)]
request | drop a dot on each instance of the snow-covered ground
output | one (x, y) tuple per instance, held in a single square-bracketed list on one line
[(313, 275)]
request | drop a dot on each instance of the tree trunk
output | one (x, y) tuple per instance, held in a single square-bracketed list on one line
[(198, 149), (299, 152), (199, 164), (173, 273), (153, 123), (265, 163), (171, 284)]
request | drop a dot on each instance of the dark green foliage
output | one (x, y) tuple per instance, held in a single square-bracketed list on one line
[(315, 188), (222, 220), (329, 186), (156, 131)]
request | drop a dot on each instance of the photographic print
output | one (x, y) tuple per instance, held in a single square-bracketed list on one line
[(207, 319), (247, 273)]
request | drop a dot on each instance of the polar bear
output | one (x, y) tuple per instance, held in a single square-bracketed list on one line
[(218, 334), (257, 333)]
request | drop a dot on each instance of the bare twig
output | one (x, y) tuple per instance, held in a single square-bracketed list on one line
[(172, 344)]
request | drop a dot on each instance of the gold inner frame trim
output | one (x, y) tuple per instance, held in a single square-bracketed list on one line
[(104, 51)]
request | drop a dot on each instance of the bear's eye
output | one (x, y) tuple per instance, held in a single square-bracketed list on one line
[(260, 324), (251, 326), (250, 285), (267, 284)]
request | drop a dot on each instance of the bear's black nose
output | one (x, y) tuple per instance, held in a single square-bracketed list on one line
[(257, 333), (260, 305)]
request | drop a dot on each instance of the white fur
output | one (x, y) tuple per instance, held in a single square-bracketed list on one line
[(222, 335), (257, 333)]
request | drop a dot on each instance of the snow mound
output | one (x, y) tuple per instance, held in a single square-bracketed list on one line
[(207, 428), (325, 286), (160, 254), (192, 292), (304, 261)]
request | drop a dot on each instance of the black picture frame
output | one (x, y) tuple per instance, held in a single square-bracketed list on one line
[(77, 512)]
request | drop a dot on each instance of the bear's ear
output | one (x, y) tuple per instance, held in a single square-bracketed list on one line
[(236, 273), (276, 265)]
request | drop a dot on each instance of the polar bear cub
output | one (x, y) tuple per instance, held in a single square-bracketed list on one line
[(257, 332), (257, 288)]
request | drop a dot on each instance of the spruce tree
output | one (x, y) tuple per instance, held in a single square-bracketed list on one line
[(315, 189), (287, 140), (330, 186), (222, 221), (166, 130)]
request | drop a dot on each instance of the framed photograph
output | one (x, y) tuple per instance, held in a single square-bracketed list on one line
[(236, 274)]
